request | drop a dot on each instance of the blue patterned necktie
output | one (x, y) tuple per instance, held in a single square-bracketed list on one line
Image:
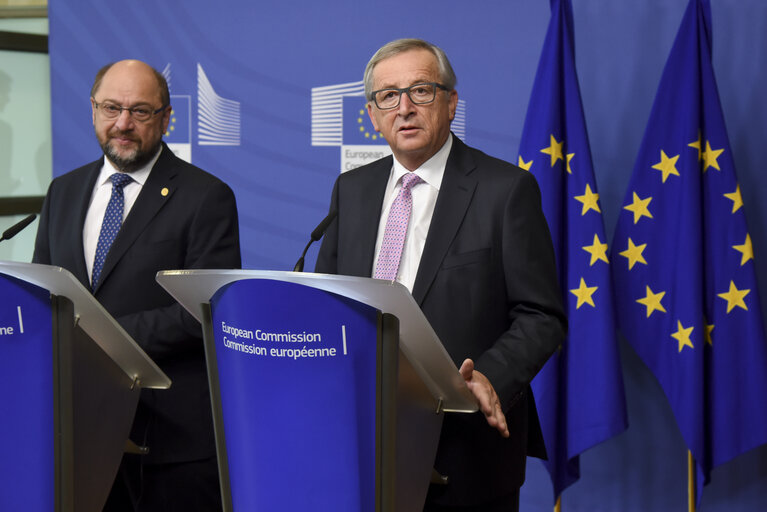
[(113, 219), (390, 254)]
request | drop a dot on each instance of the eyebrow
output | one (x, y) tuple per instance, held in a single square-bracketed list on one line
[(115, 102), (416, 82)]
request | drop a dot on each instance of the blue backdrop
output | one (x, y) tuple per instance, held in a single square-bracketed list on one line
[(259, 89)]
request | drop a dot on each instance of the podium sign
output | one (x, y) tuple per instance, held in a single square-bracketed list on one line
[(70, 378), (285, 454), (310, 432), (26, 409)]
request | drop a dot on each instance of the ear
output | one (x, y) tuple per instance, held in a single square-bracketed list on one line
[(372, 116), (453, 103), (93, 111), (166, 118)]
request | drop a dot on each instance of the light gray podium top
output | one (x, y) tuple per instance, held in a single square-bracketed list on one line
[(418, 341), (93, 319)]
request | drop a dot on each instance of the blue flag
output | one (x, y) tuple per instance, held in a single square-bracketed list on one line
[(579, 392), (688, 299)]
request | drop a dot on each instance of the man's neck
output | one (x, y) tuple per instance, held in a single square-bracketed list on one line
[(412, 164)]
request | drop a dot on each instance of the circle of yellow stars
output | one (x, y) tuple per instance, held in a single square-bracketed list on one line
[(640, 208), (172, 124), (367, 134), (589, 202)]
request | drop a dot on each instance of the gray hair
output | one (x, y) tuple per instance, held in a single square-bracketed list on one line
[(446, 73)]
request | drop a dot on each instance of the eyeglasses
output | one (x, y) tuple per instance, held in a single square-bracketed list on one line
[(419, 94), (112, 111)]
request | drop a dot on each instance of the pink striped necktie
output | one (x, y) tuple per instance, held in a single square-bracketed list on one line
[(390, 254)]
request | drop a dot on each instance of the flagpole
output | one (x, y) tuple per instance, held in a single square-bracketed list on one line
[(690, 482), (558, 504)]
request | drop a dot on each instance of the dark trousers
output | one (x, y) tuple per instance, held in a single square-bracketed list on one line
[(187, 486), (507, 503)]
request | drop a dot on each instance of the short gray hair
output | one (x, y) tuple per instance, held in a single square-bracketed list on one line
[(446, 73)]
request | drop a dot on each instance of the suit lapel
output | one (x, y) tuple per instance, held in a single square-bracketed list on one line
[(454, 199), (155, 193), (369, 196)]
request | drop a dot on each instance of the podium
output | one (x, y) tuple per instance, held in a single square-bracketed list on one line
[(70, 379), (328, 391)]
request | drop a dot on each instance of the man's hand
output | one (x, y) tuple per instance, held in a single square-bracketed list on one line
[(489, 403)]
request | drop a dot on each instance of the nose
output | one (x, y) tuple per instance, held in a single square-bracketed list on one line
[(124, 121), (405, 105)]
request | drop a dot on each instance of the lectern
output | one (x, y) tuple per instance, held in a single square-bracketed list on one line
[(328, 391), (70, 378)]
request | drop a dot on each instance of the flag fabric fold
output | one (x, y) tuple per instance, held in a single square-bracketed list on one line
[(579, 392), (683, 262)]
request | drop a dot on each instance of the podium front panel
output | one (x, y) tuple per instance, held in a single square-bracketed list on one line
[(27, 469), (296, 373)]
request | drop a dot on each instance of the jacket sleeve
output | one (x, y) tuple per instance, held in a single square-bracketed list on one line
[(537, 323)]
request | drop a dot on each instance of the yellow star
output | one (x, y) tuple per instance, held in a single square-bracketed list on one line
[(524, 165), (569, 157), (707, 334), (589, 200), (710, 156), (584, 294), (598, 251), (639, 208), (555, 150), (734, 297), (634, 254), (746, 249), (682, 335), (667, 165), (697, 145), (736, 198), (652, 301)]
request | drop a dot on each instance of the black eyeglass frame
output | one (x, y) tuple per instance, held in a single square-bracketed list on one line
[(131, 110), (407, 90)]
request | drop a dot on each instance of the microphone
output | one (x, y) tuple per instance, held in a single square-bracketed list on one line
[(14, 230), (316, 235)]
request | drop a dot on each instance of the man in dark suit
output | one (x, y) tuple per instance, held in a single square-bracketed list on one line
[(477, 257), (172, 215)]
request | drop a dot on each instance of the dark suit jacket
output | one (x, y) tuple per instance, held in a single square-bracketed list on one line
[(193, 226), (487, 283)]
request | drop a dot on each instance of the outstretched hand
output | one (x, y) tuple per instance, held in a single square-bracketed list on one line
[(483, 390)]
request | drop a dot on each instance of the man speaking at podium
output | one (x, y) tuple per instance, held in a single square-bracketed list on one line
[(114, 223), (466, 234)]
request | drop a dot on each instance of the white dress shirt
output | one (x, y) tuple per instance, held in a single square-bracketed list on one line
[(424, 198), (102, 191)]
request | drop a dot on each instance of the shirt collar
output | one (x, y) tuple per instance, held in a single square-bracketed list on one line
[(432, 170), (139, 176)]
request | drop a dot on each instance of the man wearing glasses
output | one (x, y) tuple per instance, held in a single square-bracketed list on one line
[(114, 223), (466, 234)]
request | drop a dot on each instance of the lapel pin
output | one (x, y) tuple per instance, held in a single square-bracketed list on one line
[(164, 191)]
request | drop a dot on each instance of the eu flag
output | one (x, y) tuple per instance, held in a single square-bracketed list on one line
[(579, 392), (688, 299)]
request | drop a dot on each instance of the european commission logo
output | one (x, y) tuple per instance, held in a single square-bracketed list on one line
[(218, 118), (340, 118)]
